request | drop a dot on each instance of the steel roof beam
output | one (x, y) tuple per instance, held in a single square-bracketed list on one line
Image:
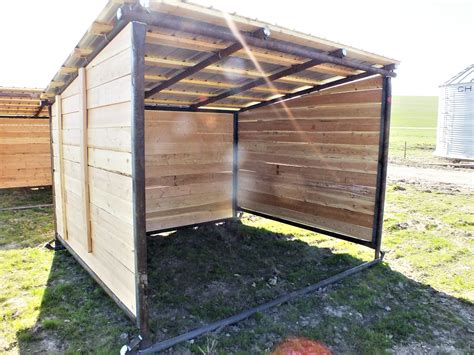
[(178, 23), (262, 81)]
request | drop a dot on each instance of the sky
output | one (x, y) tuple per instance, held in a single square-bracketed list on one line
[(432, 38)]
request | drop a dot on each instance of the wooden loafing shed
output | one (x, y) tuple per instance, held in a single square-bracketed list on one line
[(174, 115), (25, 159)]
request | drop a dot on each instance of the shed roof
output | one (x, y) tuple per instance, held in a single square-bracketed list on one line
[(233, 69), (21, 102)]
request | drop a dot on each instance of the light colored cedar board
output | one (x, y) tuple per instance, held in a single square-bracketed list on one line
[(352, 138), (316, 125), (185, 169), (369, 152), (178, 180), (191, 200), (345, 111), (84, 159), (188, 158), (59, 115), (198, 216)]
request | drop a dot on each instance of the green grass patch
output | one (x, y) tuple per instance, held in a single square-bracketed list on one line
[(423, 292)]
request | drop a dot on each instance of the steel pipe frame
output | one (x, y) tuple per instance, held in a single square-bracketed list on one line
[(138, 176), (309, 91), (213, 58), (26, 117), (40, 108), (382, 165), (262, 81), (162, 345)]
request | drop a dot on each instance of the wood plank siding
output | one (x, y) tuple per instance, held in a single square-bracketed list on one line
[(24, 153), (313, 159), (96, 168), (188, 158)]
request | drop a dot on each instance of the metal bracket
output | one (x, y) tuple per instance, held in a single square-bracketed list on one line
[(132, 347), (57, 245)]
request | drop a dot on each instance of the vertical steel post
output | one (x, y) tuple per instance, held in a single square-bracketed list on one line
[(235, 165), (138, 175), (382, 165), (56, 240)]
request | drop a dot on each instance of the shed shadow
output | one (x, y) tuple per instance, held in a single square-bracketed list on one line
[(201, 275)]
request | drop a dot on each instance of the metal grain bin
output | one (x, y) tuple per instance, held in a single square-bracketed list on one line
[(455, 133)]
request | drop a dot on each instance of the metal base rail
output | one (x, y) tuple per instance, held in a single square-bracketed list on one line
[(162, 345), (26, 207)]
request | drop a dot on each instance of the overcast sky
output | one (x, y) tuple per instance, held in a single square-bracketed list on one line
[(432, 38)]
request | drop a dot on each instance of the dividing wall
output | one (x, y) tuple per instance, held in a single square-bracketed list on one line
[(313, 159), (188, 157), (24, 152), (91, 129)]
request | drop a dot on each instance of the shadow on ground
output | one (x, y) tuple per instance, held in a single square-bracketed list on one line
[(205, 274)]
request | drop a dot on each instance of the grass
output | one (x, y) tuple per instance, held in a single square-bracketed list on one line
[(413, 121), (423, 293)]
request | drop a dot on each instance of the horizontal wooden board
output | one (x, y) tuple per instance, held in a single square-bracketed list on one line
[(367, 152), (117, 115), (187, 169), (200, 215), (111, 93), (189, 158), (113, 161), (351, 138), (312, 125), (349, 111), (23, 148), (342, 164), (109, 70)]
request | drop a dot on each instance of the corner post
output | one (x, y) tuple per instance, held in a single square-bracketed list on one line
[(235, 165), (53, 193), (382, 165), (138, 176)]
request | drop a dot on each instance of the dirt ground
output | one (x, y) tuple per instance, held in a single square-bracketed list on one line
[(461, 177)]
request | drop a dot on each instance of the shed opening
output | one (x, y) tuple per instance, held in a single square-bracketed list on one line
[(173, 115)]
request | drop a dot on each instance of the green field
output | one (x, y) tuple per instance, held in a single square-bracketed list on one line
[(413, 122)]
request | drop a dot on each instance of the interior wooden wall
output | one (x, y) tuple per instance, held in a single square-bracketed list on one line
[(107, 196), (313, 159), (24, 153), (188, 158)]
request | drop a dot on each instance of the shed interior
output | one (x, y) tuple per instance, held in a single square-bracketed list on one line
[(168, 115)]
